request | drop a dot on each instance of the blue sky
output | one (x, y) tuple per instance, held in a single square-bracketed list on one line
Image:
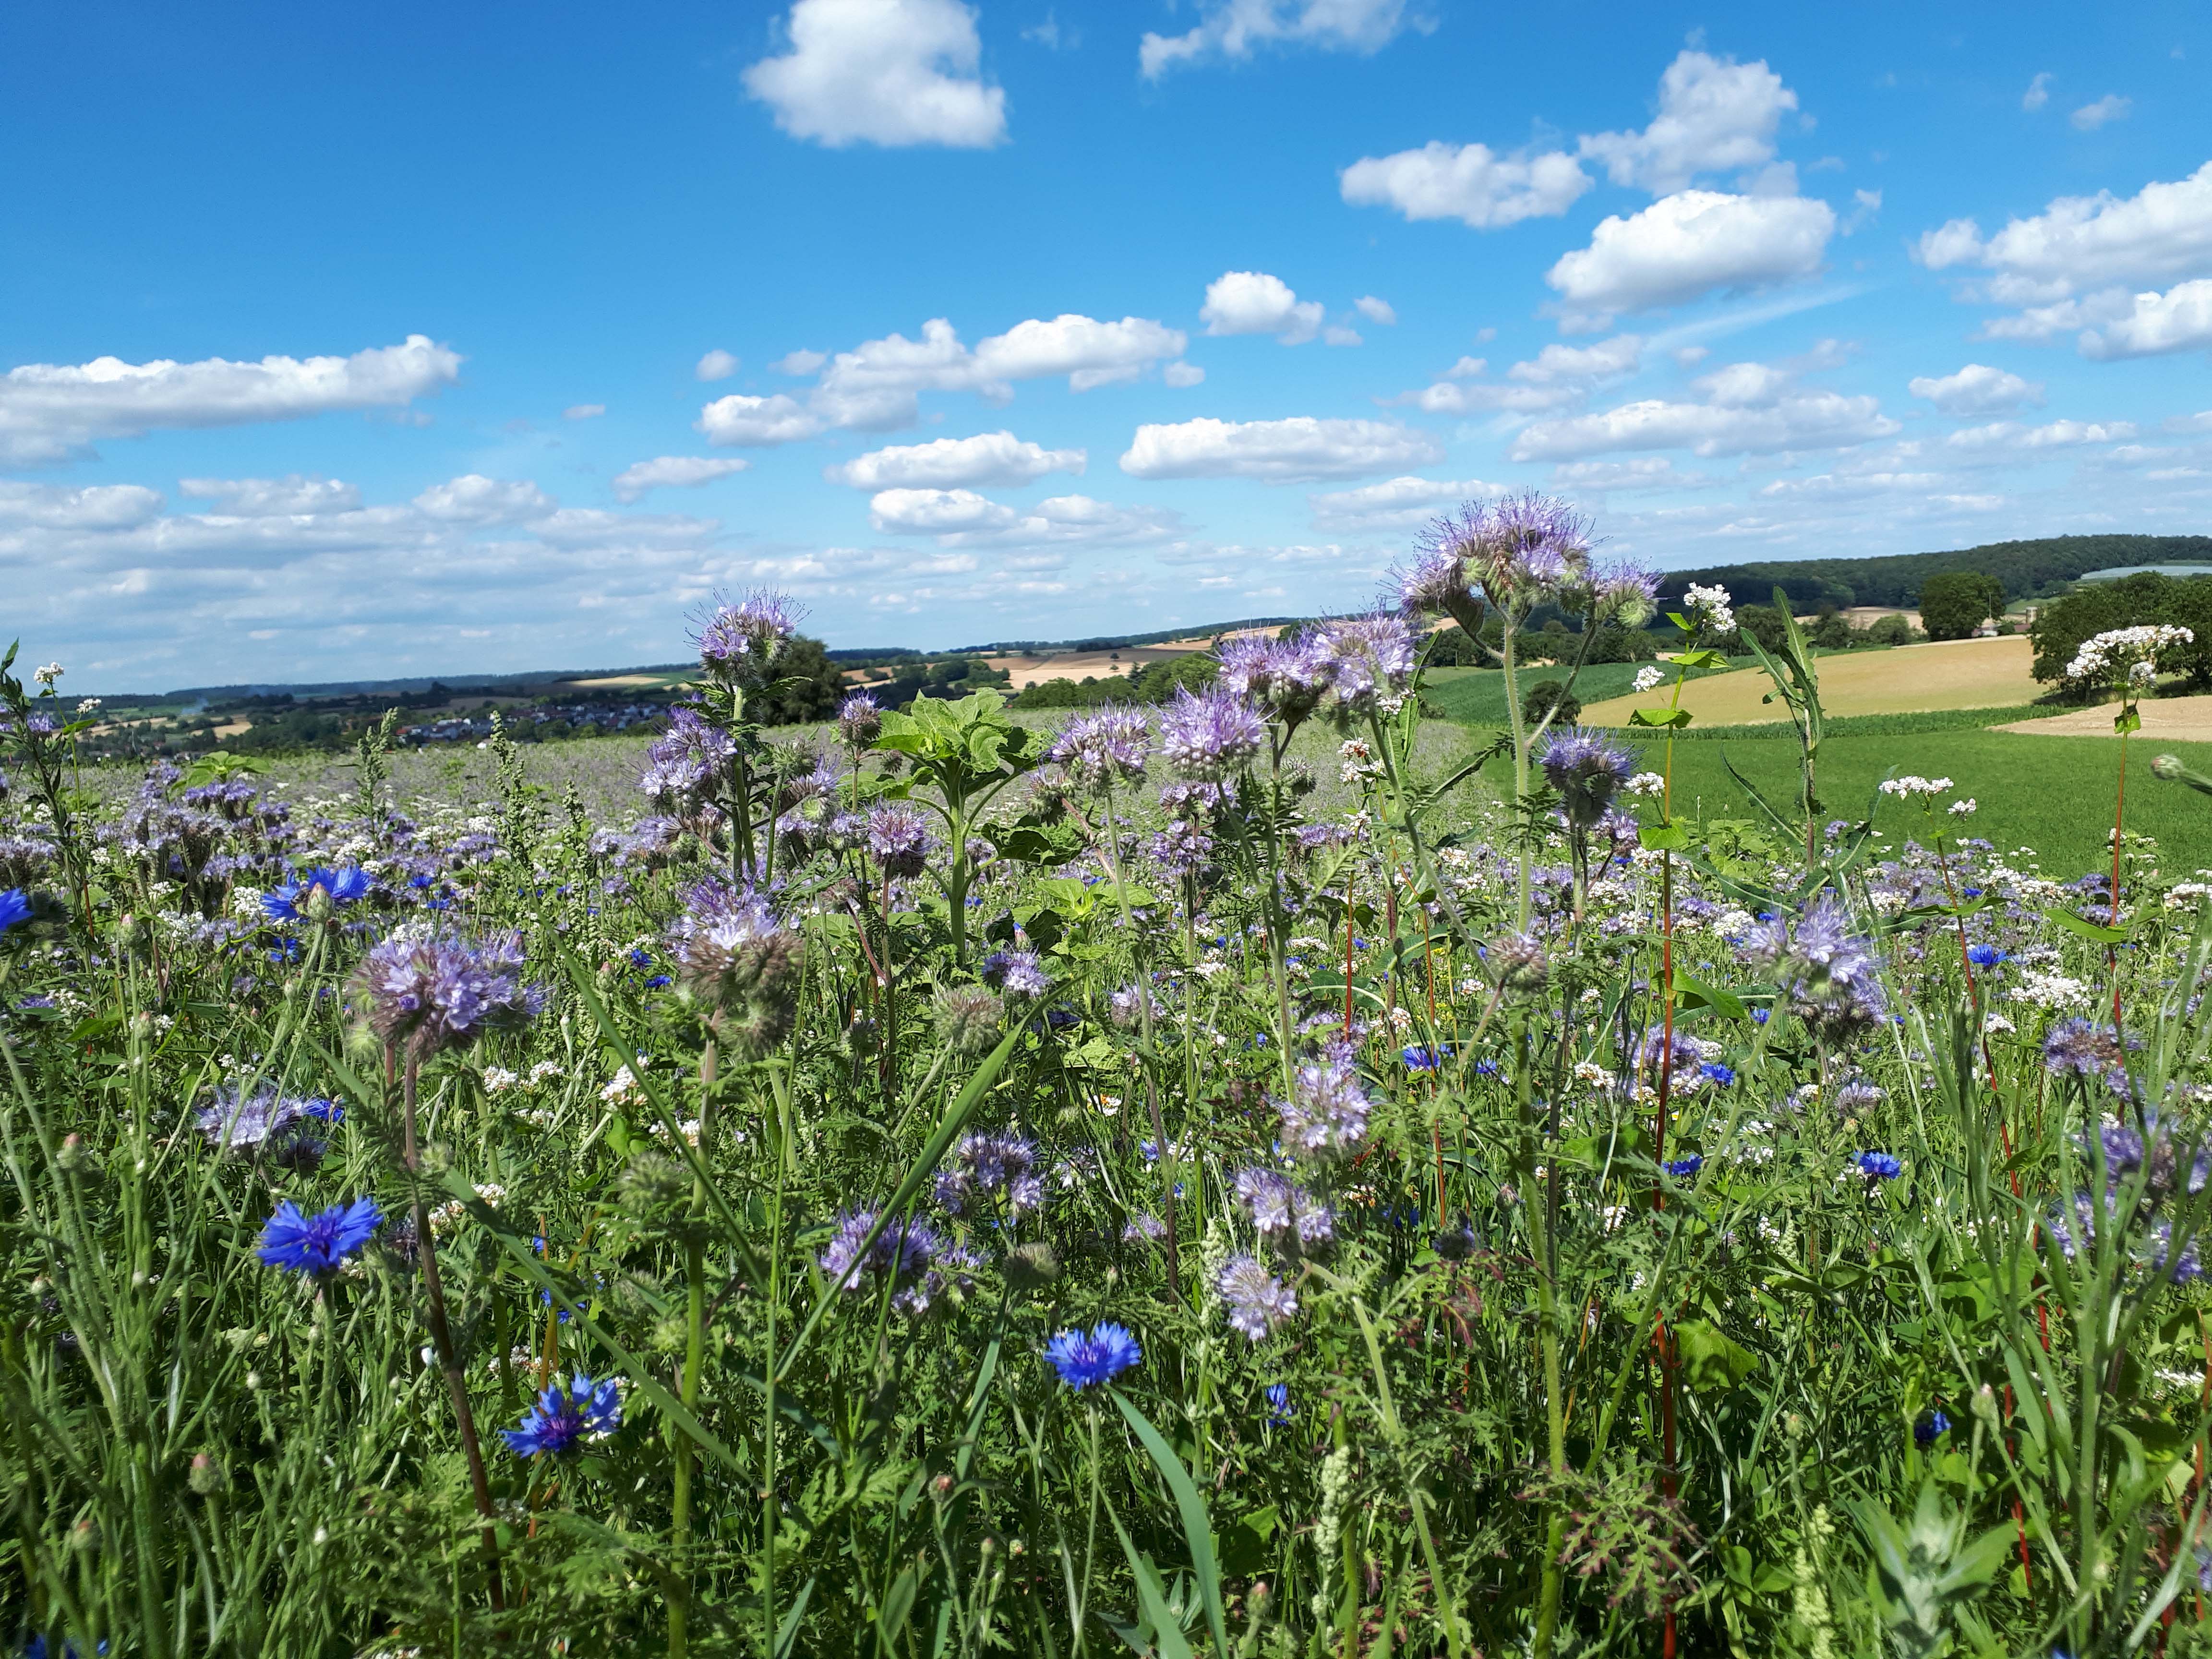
[(412, 339)]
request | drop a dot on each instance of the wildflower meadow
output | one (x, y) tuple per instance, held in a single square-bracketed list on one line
[(1238, 1178)]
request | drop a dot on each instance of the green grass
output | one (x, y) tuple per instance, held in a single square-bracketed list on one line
[(1892, 726), (2055, 794), (1477, 696)]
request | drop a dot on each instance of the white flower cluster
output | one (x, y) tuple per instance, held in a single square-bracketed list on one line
[(1646, 783), (48, 674), (1647, 678), (1963, 809), (1913, 785), (87, 706), (1711, 607), (448, 1215), (2183, 894), (621, 1089), (2050, 991), (1357, 762), (2124, 650)]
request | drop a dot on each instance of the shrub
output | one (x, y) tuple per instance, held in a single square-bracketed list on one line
[(1550, 697)]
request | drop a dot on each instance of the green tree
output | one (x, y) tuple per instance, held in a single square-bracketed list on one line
[(1764, 624), (1546, 696), (2060, 626), (808, 687), (1889, 630), (1954, 602)]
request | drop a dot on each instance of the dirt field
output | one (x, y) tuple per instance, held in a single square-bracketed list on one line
[(1949, 674), (2178, 720), (1091, 665)]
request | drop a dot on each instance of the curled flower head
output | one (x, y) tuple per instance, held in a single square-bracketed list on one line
[(1102, 750), (1284, 1211), (1624, 595), (969, 1018), (1518, 964), (988, 1164), (860, 719), (1435, 581), (281, 1125), (2075, 1047), (1826, 974), (900, 839), (1016, 974), (562, 1416), (734, 960), (1209, 737), (429, 993), (1084, 1361), (1587, 770), (1519, 550), (317, 1244), (1326, 1111), (1287, 678), (739, 643), (904, 1250), (1369, 662), (1255, 1300)]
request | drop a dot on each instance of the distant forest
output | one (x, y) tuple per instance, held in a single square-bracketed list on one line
[(2028, 570)]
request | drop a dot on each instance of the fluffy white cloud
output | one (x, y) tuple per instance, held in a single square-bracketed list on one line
[(1977, 389), (989, 458), (1557, 376), (2037, 94), (1744, 414), (671, 472), (1254, 302), (717, 365), (1089, 352), (962, 518), (2011, 435), (2179, 319), (799, 363), (1232, 29), (49, 411), (583, 411), (1182, 374), (2163, 231), (474, 499), (1290, 450), (1715, 116), (257, 498), (1689, 244), (1470, 183), (101, 507), (738, 419), (1400, 503), (890, 72), (1375, 310), (1645, 473), (2109, 108)]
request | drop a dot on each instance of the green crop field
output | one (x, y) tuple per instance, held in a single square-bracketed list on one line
[(2055, 794)]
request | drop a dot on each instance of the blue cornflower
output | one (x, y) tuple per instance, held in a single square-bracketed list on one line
[(1486, 1067), (1986, 956), (1925, 1431), (640, 956), (317, 1244), (285, 950), (328, 1111), (1419, 1058), (291, 903), (1683, 1168), (1280, 1409), (14, 908), (561, 1418), (1717, 1074), (1879, 1166), (1082, 1360), (659, 983), (1758, 1016)]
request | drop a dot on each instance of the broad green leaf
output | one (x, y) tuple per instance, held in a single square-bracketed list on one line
[(2088, 930), (1663, 838), (1197, 1529), (1694, 993), (1663, 718), (1710, 1361), (2127, 720)]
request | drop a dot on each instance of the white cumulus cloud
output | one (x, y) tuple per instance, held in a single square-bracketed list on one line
[(1234, 29), (889, 72), (738, 419), (672, 471), (1715, 116), (1182, 374), (2109, 108), (258, 498), (97, 507), (1977, 389), (1690, 243), (1470, 183), (716, 365), (474, 499), (2058, 434), (1375, 310), (1254, 302), (2179, 319), (1291, 450), (989, 458), (2162, 232), (49, 411), (962, 518), (1399, 503), (1745, 412)]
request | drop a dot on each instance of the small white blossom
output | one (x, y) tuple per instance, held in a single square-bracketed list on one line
[(48, 674), (1913, 784), (1963, 809), (621, 1089), (1648, 679), (1647, 783), (1711, 607)]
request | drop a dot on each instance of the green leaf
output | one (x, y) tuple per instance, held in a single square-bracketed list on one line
[(1663, 718), (1663, 838), (1694, 993), (1700, 658), (1197, 1529), (2127, 720), (2088, 930), (1710, 1360)]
